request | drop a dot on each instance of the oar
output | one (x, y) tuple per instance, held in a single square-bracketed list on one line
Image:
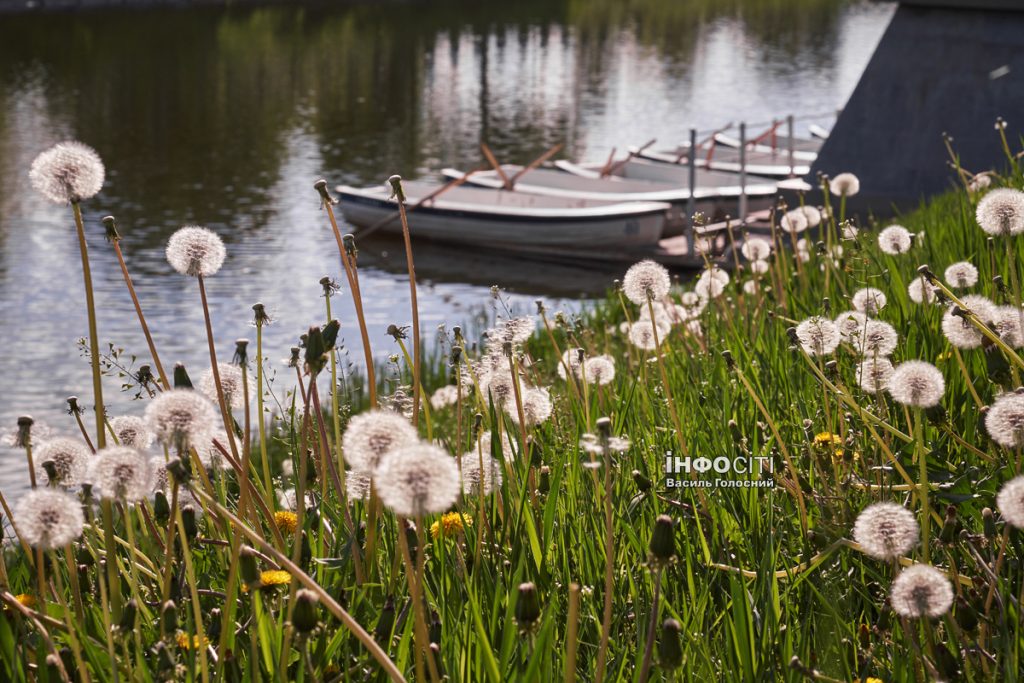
[(534, 164), (608, 164), (455, 182), (636, 152), (494, 164), (700, 144)]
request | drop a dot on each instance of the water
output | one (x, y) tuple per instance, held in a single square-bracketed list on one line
[(225, 118)]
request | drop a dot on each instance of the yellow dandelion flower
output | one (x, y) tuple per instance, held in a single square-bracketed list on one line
[(449, 525), (869, 679), (25, 600), (186, 643), (275, 577), (286, 521), (827, 439)]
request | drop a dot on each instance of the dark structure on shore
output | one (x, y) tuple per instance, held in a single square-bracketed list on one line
[(942, 66)]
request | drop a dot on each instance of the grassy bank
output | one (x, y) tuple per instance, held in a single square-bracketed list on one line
[(553, 547)]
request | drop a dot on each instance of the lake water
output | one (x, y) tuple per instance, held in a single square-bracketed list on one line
[(225, 119)]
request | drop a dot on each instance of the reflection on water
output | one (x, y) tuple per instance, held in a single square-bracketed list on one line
[(224, 118)]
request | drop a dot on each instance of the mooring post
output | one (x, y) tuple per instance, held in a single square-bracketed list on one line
[(691, 201), (743, 174), (792, 151)]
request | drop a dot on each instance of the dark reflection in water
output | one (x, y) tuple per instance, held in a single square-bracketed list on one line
[(224, 118)]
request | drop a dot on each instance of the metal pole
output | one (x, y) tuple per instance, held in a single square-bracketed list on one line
[(743, 174), (792, 154), (691, 201)]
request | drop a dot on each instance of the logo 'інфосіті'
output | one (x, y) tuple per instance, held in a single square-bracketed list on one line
[(754, 472)]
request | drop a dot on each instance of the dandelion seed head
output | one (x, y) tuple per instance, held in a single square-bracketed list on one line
[(372, 435), (599, 370), (1010, 501), (692, 303), (68, 172), (48, 518), (876, 338), (646, 280), (1005, 420), (121, 473), (70, 458), (209, 454), (812, 215), (921, 591), (961, 275), (850, 324), (571, 360), (230, 384), (756, 249), (750, 287), (418, 480), (515, 331), (477, 478), (288, 499), (177, 418), (536, 406), (506, 445), (895, 240), (1001, 212), (980, 306), (844, 185), (869, 300), (794, 222), (959, 331), (921, 291), (709, 288), (195, 251), (758, 267), (1006, 322), (357, 485), (444, 397), (818, 336), (132, 431), (874, 374), (885, 531), (642, 335), (917, 383)]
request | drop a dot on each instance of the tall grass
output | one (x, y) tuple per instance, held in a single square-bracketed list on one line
[(752, 584)]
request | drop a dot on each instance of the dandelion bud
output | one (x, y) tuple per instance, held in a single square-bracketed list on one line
[(169, 617), (396, 188), (663, 541), (247, 567), (127, 623), (112, 235), (527, 605), (188, 520), (988, 520), (260, 317), (164, 659), (949, 526), (293, 361), (304, 612), (53, 667), (161, 508), (412, 539), (604, 426), (643, 484), (386, 621), (670, 646), (213, 630), (966, 615), (179, 473), (241, 356), (316, 351), (544, 485), (348, 240)]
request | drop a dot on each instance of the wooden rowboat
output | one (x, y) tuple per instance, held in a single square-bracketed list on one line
[(724, 158), (509, 220), (804, 149)]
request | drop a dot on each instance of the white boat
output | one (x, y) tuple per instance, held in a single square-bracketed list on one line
[(818, 131), (508, 220), (631, 182), (804, 149), (721, 157)]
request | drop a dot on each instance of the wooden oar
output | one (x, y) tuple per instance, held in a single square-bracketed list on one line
[(534, 164), (455, 182), (495, 165), (710, 138), (636, 152), (608, 164)]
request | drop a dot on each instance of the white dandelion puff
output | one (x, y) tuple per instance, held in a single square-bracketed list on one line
[(917, 383), (886, 531), (515, 331), (642, 335), (230, 383), (121, 473), (818, 336), (850, 324), (693, 304), (756, 249), (877, 338), (1006, 322), (874, 374), (921, 291), (844, 185), (195, 251), (645, 281), (357, 484), (48, 518), (961, 275), (959, 331), (506, 453), (179, 418), (444, 397), (418, 480), (759, 267), (599, 370), (1005, 420), (68, 172), (895, 240), (372, 435), (869, 300), (751, 287), (288, 499), (1001, 212), (811, 214), (132, 431), (1010, 501), (709, 288), (793, 222), (921, 591), (478, 479), (571, 360), (209, 454), (536, 406), (70, 458)]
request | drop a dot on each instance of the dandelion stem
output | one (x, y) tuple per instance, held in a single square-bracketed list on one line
[(138, 311), (417, 348), (572, 635), (645, 665)]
